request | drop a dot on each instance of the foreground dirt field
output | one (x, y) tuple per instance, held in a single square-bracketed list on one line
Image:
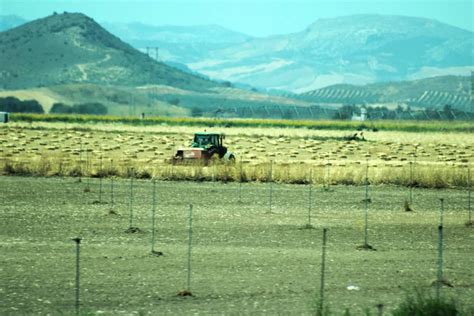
[(247, 258)]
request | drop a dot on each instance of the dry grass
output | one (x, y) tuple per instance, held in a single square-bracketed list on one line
[(57, 149)]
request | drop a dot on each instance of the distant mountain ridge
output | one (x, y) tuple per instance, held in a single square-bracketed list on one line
[(73, 48), (182, 44), (358, 49)]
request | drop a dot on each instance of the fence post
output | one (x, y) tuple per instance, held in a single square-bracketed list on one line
[(323, 271), (328, 180), (240, 182), (469, 207), (77, 240), (439, 278), (190, 234), (80, 160), (271, 186), (88, 170), (153, 209), (100, 179), (411, 182), (310, 196), (379, 309), (111, 186), (441, 212), (131, 200), (366, 219)]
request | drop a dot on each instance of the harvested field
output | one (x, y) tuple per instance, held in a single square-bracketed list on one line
[(45, 149)]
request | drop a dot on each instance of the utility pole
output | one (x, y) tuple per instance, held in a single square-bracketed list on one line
[(472, 92), (150, 49)]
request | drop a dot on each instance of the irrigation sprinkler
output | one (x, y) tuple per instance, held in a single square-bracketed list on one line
[(190, 247), (323, 271), (77, 240)]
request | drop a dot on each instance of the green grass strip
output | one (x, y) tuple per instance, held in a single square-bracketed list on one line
[(406, 126)]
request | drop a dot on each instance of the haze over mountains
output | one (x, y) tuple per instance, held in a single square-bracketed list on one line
[(357, 49), (70, 58), (75, 58), (181, 44)]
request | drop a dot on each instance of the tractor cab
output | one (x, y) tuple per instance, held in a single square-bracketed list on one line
[(207, 140)]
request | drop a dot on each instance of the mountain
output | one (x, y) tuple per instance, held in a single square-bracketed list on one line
[(73, 48), (10, 21), (430, 93), (357, 49), (182, 44)]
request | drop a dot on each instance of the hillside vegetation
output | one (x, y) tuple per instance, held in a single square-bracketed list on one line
[(430, 92), (73, 48)]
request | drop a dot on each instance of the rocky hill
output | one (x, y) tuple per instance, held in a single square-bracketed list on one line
[(72, 48), (358, 49)]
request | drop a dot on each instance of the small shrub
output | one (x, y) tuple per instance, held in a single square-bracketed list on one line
[(422, 304), (16, 169)]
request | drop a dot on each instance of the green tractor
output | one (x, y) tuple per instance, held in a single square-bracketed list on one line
[(205, 146)]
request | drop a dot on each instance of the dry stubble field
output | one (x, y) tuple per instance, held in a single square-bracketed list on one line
[(437, 159), (246, 258)]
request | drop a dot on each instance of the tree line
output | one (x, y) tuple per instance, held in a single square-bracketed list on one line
[(15, 105), (85, 108)]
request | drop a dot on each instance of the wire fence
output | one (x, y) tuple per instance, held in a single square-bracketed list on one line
[(247, 258)]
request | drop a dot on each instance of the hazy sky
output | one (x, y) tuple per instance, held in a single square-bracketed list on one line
[(253, 17)]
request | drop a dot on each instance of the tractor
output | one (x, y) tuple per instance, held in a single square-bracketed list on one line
[(205, 146)]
